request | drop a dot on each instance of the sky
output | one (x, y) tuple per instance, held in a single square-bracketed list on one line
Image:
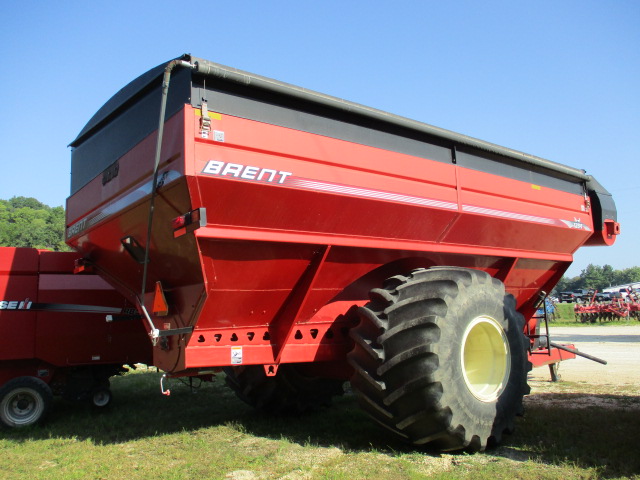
[(559, 80)]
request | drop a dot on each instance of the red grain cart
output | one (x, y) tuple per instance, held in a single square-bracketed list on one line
[(51, 342), (297, 240)]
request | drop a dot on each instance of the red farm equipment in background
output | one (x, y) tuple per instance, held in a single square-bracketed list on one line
[(618, 307), (542, 350), (633, 300), (53, 336), (294, 241)]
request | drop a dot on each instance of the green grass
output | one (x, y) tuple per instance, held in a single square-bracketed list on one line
[(564, 314), (212, 435)]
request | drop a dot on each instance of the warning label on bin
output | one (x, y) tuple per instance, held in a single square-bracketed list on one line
[(236, 355)]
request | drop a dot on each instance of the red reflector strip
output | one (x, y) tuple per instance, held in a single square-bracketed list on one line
[(189, 222), (179, 222)]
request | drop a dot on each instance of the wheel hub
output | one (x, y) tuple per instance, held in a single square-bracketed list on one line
[(101, 398), (22, 406), (486, 359)]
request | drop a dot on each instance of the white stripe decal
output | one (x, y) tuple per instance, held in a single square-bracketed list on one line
[(502, 214), (363, 192)]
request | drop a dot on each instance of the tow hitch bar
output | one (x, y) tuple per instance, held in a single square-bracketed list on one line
[(576, 352)]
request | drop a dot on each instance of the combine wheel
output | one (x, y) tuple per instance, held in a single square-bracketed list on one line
[(101, 396), (24, 401), (440, 358), (288, 391)]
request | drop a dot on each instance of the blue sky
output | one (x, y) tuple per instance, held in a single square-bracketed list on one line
[(560, 80)]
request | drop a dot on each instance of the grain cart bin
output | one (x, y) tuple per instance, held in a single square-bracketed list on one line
[(297, 240)]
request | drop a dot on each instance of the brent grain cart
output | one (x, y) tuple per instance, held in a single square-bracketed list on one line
[(297, 240)]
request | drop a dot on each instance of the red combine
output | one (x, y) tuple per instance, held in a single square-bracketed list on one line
[(53, 337), (297, 240)]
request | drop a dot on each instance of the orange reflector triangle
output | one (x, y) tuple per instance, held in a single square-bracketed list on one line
[(160, 307)]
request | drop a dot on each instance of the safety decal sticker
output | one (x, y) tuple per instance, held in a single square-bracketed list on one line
[(236, 355)]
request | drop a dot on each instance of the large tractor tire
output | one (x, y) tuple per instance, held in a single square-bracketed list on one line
[(289, 391), (24, 401), (440, 358)]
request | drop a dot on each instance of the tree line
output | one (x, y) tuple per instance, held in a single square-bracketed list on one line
[(26, 222), (595, 277)]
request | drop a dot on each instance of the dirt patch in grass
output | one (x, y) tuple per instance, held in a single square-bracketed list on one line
[(582, 396)]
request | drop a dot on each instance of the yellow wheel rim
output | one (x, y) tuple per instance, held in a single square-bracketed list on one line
[(485, 357)]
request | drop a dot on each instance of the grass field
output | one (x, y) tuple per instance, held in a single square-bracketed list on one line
[(212, 435), (564, 314)]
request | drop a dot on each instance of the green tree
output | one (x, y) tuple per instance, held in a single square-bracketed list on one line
[(567, 284), (596, 277), (27, 202), (26, 222), (609, 275), (628, 275)]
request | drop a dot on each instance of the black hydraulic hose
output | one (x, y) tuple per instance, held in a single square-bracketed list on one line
[(163, 107)]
